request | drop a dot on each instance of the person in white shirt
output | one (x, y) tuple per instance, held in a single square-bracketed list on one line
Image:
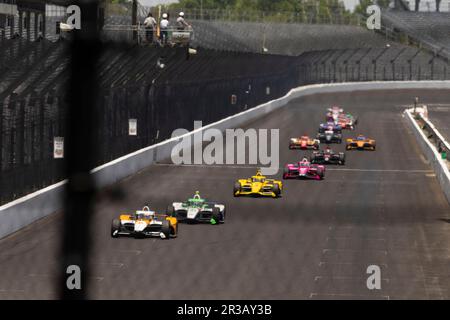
[(181, 23), (149, 24), (164, 25)]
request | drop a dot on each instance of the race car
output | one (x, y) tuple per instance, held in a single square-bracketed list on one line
[(361, 143), (258, 185), (329, 136), (330, 126), (304, 169), (335, 109), (333, 113), (327, 156), (347, 121), (145, 223), (197, 209), (304, 143), (352, 118)]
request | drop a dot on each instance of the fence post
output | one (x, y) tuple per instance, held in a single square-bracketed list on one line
[(20, 134)]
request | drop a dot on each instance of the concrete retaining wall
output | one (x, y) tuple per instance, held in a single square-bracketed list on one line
[(20, 213), (439, 165)]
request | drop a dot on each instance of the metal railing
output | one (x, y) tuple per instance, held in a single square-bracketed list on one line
[(139, 32), (307, 14)]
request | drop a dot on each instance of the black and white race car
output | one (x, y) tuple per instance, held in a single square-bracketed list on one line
[(329, 136), (327, 156)]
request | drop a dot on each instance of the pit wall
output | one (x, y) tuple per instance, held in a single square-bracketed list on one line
[(430, 151)]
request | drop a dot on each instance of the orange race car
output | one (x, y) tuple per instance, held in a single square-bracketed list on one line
[(145, 223), (304, 143), (361, 143)]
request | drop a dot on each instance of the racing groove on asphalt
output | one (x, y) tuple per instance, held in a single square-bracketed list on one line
[(313, 243)]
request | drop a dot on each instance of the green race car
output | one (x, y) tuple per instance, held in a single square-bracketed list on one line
[(197, 209)]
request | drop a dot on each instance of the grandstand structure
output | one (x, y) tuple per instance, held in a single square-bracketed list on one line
[(427, 5), (427, 29), (281, 38), (397, 63), (22, 19)]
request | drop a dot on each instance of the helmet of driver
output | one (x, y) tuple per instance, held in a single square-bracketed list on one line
[(181, 14), (164, 16)]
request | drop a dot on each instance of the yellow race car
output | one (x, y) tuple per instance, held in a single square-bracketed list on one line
[(145, 223), (361, 143), (258, 185)]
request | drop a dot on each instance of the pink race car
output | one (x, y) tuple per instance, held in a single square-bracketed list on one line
[(304, 169)]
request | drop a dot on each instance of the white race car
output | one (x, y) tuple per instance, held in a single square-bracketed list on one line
[(196, 209)]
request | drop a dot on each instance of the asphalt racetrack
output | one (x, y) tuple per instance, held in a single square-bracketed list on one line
[(382, 208)]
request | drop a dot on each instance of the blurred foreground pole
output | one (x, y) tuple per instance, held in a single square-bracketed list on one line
[(80, 156), (134, 21)]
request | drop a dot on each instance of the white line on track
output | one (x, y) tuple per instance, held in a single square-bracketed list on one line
[(136, 252), (348, 295), (352, 238), (113, 264), (352, 250), (281, 168), (322, 263), (316, 278)]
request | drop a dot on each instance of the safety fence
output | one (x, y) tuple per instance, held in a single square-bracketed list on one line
[(145, 95)]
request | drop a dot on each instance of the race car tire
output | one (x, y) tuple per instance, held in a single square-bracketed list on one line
[(170, 211), (237, 187), (115, 226), (341, 159), (223, 215), (285, 173), (216, 215), (320, 173), (165, 228), (276, 189), (173, 234)]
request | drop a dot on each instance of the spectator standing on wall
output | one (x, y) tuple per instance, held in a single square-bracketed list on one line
[(164, 25), (150, 25), (181, 23)]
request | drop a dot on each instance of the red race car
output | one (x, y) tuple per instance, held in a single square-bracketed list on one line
[(304, 143), (304, 169)]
